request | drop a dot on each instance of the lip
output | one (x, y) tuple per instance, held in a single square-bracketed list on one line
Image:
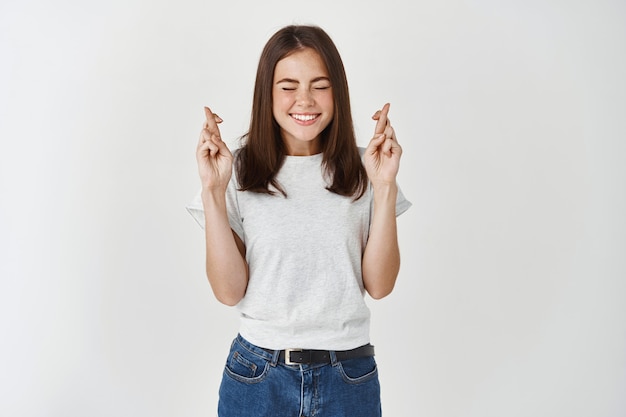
[(305, 119)]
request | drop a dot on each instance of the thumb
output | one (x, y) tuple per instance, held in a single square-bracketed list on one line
[(376, 142)]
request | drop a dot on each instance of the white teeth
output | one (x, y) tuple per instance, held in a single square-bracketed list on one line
[(304, 117)]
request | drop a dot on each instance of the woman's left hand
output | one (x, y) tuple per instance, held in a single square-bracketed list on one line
[(382, 155)]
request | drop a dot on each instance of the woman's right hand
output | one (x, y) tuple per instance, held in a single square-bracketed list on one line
[(215, 160)]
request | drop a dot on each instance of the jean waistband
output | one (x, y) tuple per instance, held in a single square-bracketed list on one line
[(295, 356)]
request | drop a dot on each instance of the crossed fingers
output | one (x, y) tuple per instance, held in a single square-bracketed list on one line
[(383, 124), (210, 124), (210, 138)]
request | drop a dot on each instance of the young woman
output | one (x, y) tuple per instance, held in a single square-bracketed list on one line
[(299, 224)]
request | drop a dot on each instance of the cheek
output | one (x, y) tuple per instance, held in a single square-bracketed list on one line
[(327, 101), (280, 103)]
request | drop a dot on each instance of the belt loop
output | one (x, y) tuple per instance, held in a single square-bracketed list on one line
[(275, 356), (333, 357)]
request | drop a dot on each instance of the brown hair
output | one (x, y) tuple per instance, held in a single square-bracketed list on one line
[(260, 159)]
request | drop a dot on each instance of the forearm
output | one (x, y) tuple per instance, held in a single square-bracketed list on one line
[(226, 267), (381, 258)]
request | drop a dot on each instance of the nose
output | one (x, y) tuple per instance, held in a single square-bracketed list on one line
[(304, 97)]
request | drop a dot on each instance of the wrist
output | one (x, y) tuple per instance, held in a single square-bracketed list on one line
[(385, 192), (385, 187), (213, 197)]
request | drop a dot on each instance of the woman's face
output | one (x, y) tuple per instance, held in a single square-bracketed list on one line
[(302, 101)]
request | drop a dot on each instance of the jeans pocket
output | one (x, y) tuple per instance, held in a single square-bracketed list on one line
[(244, 366), (359, 370)]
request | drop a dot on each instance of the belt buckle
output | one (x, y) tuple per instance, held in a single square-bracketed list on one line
[(288, 356)]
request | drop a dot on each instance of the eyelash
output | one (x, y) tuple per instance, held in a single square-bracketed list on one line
[(315, 88)]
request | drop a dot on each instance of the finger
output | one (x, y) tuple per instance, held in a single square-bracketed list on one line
[(376, 115), (397, 149), (375, 143), (394, 148), (381, 117), (204, 151), (205, 135), (223, 149), (386, 148), (214, 144), (390, 133), (212, 120), (217, 147)]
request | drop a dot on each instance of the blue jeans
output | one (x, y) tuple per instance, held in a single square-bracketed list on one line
[(256, 384)]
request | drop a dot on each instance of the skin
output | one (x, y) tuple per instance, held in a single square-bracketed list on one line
[(226, 267), (306, 92), (381, 258), (302, 89)]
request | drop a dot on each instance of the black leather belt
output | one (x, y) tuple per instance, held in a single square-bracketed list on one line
[(309, 356)]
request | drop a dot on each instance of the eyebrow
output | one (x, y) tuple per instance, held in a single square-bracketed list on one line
[(291, 80)]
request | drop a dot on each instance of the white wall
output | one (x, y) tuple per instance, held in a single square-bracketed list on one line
[(510, 301)]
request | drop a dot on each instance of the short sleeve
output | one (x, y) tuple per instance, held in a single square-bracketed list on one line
[(196, 209), (402, 204)]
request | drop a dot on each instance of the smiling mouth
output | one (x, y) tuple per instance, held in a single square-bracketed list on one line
[(304, 117)]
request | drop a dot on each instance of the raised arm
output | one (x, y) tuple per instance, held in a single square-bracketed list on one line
[(381, 259), (226, 267)]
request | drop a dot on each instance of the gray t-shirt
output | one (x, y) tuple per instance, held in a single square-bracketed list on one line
[(304, 253)]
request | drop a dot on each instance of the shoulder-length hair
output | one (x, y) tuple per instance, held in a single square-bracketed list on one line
[(263, 152)]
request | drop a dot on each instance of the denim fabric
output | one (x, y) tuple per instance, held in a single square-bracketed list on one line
[(255, 384)]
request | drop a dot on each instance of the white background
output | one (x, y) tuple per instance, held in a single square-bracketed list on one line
[(512, 115)]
